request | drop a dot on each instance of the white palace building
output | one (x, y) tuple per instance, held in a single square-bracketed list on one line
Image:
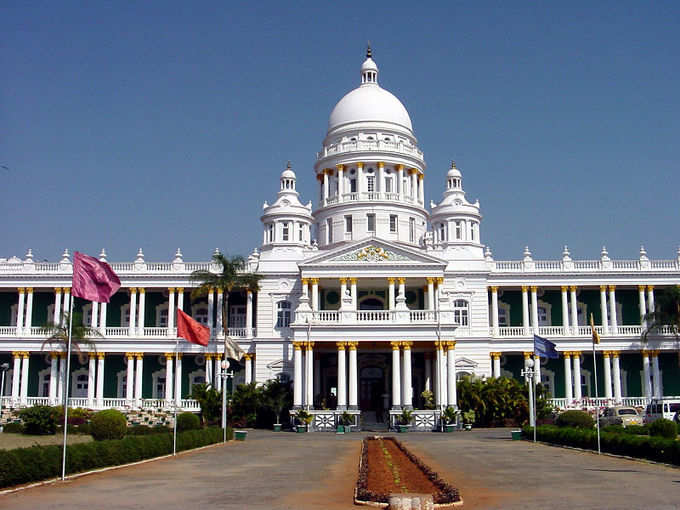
[(368, 298)]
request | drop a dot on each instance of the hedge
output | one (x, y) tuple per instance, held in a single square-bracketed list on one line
[(25, 465), (643, 447)]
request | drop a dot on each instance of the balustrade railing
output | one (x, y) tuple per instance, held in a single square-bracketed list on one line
[(156, 332), (117, 331), (422, 315), (8, 330), (373, 315), (584, 265)]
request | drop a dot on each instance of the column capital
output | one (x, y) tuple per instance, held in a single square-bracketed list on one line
[(395, 345), (247, 356), (642, 288), (53, 354), (209, 355), (340, 167), (495, 355), (220, 291), (650, 287), (612, 288), (179, 290), (360, 164), (440, 280), (401, 280), (139, 356), (412, 171), (615, 354), (534, 288), (101, 355), (606, 354), (450, 345), (314, 281), (342, 281), (645, 353), (603, 288), (62, 355), (21, 290), (169, 356), (391, 280), (309, 346), (494, 289), (340, 346), (400, 168), (297, 346), (133, 290), (528, 354), (92, 355), (328, 171), (406, 345), (430, 280), (178, 355), (141, 290), (29, 290), (57, 290), (572, 288), (525, 288), (421, 176), (575, 354), (381, 164), (564, 288), (16, 354), (66, 290), (305, 281), (439, 344), (353, 281), (566, 354), (352, 345)]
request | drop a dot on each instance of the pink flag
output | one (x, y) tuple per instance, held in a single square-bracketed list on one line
[(92, 279)]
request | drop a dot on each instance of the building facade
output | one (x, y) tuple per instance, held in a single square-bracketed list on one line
[(368, 297)]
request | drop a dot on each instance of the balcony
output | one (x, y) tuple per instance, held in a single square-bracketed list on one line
[(330, 317), (125, 332), (370, 145), (104, 403), (370, 196), (568, 331)]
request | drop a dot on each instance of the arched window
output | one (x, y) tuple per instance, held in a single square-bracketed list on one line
[(283, 314), (460, 312)]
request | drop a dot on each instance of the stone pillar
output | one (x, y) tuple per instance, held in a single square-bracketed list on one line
[(169, 381), (54, 375), (646, 374), (606, 360), (430, 293), (396, 376), (29, 310), (444, 372), (139, 373), (576, 359), (218, 370), (141, 322), (209, 371), (441, 381), (495, 364), (249, 368), (413, 174), (102, 318), (343, 288), (133, 311), (219, 323), (99, 392), (249, 313), (341, 181), (25, 358), (534, 308), (494, 311), (421, 191), (353, 375), (407, 388), (381, 179), (91, 378), (130, 356), (537, 369), (309, 380), (353, 283), (616, 369), (428, 371), (400, 182), (603, 309), (658, 390), (297, 375), (66, 291), (342, 377), (565, 310), (211, 310), (643, 306), (568, 388), (525, 310), (574, 310), (650, 298), (315, 294), (402, 286), (62, 376), (360, 179), (180, 298), (178, 379), (390, 293), (94, 322), (326, 187), (612, 310), (56, 318), (452, 400), (20, 310)]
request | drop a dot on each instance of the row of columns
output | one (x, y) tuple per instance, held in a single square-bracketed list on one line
[(570, 308)]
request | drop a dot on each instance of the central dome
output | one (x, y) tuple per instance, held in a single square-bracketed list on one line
[(369, 103)]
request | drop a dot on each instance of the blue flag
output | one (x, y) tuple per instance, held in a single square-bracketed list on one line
[(544, 348)]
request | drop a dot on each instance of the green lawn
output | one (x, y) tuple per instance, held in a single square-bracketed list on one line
[(9, 441)]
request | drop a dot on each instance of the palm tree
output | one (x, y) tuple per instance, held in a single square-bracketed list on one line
[(231, 276), (666, 313), (81, 336)]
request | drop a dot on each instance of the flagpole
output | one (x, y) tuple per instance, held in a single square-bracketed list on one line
[(597, 410), (68, 369), (174, 418)]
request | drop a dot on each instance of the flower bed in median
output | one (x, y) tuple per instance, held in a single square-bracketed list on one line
[(387, 467)]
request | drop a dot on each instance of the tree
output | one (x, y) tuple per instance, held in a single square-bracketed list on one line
[(210, 401), (81, 336), (666, 313)]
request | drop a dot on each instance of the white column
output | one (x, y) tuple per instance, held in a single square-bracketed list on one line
[(525, 310), (20, 310), (91, 378), (452, 400), (342, 377), (430, 293), (29, 310), (612, 309), (381, 179), (180, 298), (133, 311), (643, 306), (178, 379), (494, 311), (353, 284), (360, 179), (646, 374), (568, 388), (428, 371), (439, 383), (249, 369), (400, 182), (103, 308), (565, 310), (54, 374), (309, 379), (25, 358), (325, 186), (218, 369), (496, 364), (95, 315), (219, 324), (343, 288), (249, 313), (100, 379), (407, 401), (353, 376), (211, 308), (537, 370), (576, 359), (658, 390), (421, 191), (650, 298), (139, 372), (169, 381), (606, 360), (574, 310), (616, 369), (16, 374), (56, 319), (534, 308), (172, 312), (208, 368), (62, 374), (67, 299), (396, 376), (129, 387), (603, 309), (297, 375), (315, 294), (402, 286), (142, 311), (341, 181), (444, 372), (414, 184)]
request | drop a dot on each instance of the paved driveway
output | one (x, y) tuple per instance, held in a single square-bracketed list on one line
[(317, 471)]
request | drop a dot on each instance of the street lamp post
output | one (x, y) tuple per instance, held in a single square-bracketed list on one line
[(3, 368), (528, 374), (225, 373)]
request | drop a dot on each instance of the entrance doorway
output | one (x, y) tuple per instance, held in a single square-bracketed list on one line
[(371, 389)]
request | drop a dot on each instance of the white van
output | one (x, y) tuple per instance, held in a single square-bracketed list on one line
[(662, 408)]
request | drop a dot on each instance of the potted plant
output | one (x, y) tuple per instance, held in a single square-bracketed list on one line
[(344, 423), (405, 420), (468, 419), (450, 417), (303, 419), (428, 399)]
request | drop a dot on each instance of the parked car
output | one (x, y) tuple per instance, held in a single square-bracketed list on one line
[(620, 415), (662, 408)]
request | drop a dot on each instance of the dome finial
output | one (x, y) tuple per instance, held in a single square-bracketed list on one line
[(369, 53), (288, 164)]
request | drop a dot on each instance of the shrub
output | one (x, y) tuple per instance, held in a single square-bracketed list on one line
[(664, 428), (640, 430), (577, 419), (38, 420), (145, 430), (188, 421), (108, 424), (14, 428)]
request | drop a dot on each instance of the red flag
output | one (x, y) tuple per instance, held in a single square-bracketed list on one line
[(191, 330), (92, 279)]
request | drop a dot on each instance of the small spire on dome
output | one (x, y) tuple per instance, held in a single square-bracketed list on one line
[(288, 164), (453, 164), (369, 53)]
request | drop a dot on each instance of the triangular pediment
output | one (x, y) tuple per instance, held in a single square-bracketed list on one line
[(463, 363), (372, 252)]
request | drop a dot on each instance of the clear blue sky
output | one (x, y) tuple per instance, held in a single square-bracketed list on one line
[(166, 124)]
